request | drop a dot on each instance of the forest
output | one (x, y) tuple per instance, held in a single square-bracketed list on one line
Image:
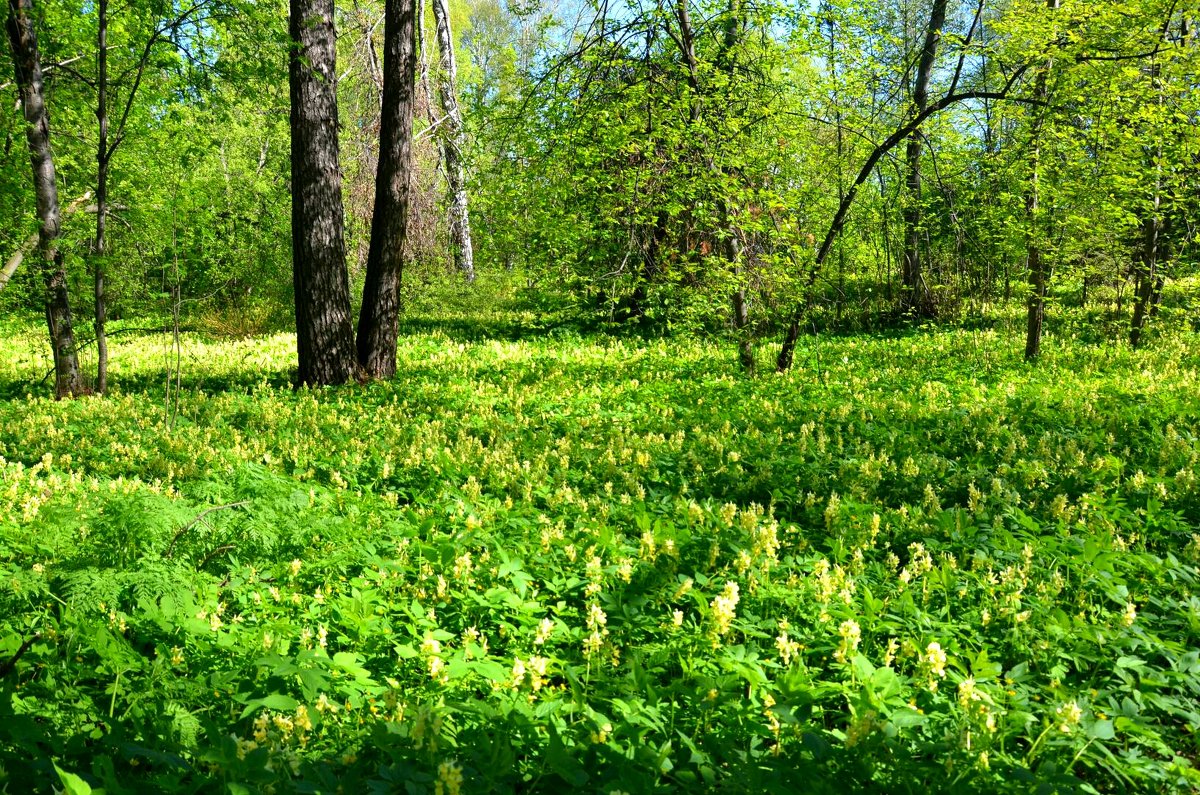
[(443, 396)]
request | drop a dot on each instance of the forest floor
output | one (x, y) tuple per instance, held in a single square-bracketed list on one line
[(537, 561)]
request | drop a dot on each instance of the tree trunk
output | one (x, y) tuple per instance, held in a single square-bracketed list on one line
[(1147, 278), (784, 360), (651, 264), (378, 322), (915, 297), (741, 322), (102, 159), (324, 336), (1035, 305), (452, 144), (18, 256), (1152, 228), (726, 62), (68, 380)]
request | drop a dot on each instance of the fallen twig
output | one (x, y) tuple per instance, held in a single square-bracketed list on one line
[(213, 554), (7, 667), (196, 520)]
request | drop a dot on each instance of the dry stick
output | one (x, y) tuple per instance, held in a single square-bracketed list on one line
[(197, 519), (213, 554), (9, 666)]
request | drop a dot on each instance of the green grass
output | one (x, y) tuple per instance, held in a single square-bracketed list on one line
[(954, 572)]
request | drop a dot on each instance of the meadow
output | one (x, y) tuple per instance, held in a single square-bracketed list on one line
[(546, 558)]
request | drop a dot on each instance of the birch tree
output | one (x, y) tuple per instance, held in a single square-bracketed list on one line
[(22, 37), (453, 139), (915, 295)]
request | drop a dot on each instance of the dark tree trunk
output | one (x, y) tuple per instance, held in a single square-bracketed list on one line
[(651, 264), (324, 336), (727, 62), (915, 296), (68, 380), (378, 322), (787, 351), (102, 159), (1035, 308)]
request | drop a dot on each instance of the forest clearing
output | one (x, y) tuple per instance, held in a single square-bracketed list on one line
[(448, 396), (552, 560)]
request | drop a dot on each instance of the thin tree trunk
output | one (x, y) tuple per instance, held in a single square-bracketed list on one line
[(915, 296), (1152, 227), (1148, 278), (68, 379), (423, 63), (378, 323), (102, 159), (1035, 306), (324, 336), (726, 62), (741, 322), (106, 147), (374, 71), (453, 139), (784, 360)]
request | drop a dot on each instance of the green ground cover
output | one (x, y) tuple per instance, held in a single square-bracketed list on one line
[(546, 561)]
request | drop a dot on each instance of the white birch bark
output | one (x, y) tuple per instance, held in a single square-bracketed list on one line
[(452, 144)]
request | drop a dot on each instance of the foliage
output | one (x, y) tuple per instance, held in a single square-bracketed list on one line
[(547, 560)]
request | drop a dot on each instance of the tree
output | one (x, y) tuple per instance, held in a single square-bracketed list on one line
[(68, 380), (915, 295), (103, 158), (1035, 305), (379, 318), (453, 141), (106, 147), (324, 335)]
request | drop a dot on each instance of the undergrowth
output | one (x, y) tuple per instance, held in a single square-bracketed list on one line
[(542, 559)]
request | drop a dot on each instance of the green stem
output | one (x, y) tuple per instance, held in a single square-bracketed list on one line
[(1037, 744), (112, 704), (1075, 759)]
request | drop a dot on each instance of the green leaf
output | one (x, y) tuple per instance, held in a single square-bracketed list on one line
[(275, 701), (73, 784), (1102, 730)]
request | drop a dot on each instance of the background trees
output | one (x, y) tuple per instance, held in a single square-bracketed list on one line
[(706, 164)]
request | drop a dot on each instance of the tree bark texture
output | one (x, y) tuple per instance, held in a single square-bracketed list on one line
[(378, 321), (68, 379), (324, 336), (453, 139), (915, 295)]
